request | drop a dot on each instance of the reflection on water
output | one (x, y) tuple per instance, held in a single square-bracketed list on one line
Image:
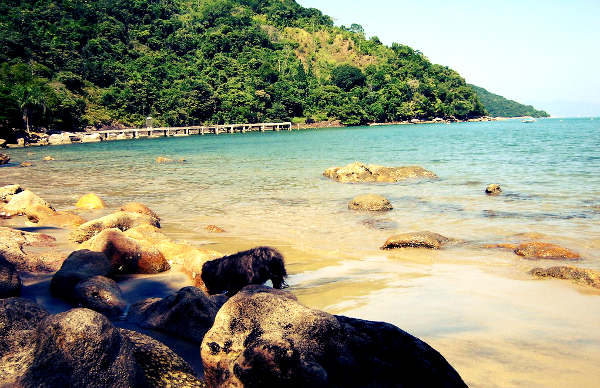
[(498, 326)]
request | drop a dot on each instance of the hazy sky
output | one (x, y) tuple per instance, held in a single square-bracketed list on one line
[(524, 50)]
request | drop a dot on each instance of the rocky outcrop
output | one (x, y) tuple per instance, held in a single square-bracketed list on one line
[(187, 314), (119, 220), (127, 256), (416, 240), (10, 281), (359, 172), (493, 189), (19, 320), (100, 294), (90, 201), (59, 138), (586, 277), (80, 265), (370, 202), (81, 348), (266, 335)]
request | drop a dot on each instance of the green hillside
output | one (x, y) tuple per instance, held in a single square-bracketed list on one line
[(75, 64), (498, 106)]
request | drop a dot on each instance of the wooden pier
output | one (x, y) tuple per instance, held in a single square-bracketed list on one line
[(129, 133)]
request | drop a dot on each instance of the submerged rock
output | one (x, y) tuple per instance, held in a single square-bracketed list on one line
[(416, 240), (493, 189), (4, 159), (359, 172), (586, 277), (188, 314), (265, 335), (542, 250), (370, 202)]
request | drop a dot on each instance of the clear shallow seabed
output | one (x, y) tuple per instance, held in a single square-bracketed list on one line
[(495, 323)]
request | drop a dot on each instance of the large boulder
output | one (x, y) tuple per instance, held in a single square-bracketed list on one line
[(20, 202), (10, 281), (428, 240), (19, 320), (81, 348), (80, 265), (127, 256), (583, 276), (90, 201), (188, 314), (100, 294), (370, 202), (265, 335), (359, 172), (120, 220)]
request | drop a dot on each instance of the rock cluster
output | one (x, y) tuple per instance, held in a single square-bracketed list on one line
[(359, 172)]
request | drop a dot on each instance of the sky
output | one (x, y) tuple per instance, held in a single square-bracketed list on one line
[(544, 53)]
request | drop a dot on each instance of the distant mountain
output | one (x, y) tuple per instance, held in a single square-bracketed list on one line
[(498, 106), (561, 108)]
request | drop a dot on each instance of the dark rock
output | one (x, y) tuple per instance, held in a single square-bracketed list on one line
[(81, 348), (100, 294), (10, 281), (493, 189), (370, 202), (4, 159), (586, 277), (19, 320), (188, 314), (359, 172), (416, 240), (543, 250), (80, 265), (265, 335), (119, 220), (127, 256), (162, 367)]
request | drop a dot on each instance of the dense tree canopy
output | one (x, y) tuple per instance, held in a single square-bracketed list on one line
[(72, 64), (498, 106)]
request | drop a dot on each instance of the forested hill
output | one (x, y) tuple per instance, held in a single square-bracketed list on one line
[(72, 64), (498, 106)]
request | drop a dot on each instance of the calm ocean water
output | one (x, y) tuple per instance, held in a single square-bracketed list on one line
[(495, 323)]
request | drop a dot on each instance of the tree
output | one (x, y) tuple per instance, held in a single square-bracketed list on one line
[(347, 76)]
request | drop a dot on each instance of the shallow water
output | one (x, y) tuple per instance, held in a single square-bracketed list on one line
[(497, 325)]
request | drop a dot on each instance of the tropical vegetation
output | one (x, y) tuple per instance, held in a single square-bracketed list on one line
[(498, 106), (75, 64)]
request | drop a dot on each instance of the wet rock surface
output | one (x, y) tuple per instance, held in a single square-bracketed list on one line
[(370, 202), (428, 240), (359, 172), (586, 277), (119, 220)]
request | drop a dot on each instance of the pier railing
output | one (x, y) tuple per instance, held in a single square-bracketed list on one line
[(185, 131)]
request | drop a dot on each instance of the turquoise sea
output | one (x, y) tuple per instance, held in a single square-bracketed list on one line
[(495, 323)]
